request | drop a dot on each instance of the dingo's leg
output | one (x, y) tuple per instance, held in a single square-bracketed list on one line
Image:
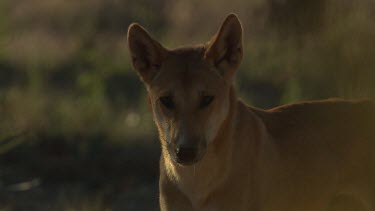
[(345, 202), (171, 199)]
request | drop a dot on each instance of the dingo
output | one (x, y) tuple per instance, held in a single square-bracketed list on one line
[(220, 154)]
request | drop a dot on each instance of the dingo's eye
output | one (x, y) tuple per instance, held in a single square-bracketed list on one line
[(167, 101), (206, 100)]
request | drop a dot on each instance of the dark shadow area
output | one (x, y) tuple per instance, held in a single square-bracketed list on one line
[(48, 170)]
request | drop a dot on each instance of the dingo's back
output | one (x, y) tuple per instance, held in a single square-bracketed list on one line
[(325, 148)]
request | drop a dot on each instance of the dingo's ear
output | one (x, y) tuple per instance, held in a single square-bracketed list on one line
[(146, 53), (225, 49)]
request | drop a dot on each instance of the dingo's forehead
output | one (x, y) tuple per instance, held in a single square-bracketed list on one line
[(185, 69)]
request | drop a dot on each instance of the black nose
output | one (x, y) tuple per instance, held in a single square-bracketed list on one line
[(186, 154)]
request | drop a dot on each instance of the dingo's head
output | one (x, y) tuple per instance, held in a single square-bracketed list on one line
[(188, 87)]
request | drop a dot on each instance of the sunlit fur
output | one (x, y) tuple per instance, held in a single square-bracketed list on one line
[(308, 156)]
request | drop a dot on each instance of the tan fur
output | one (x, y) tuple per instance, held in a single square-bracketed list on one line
[(301, 157)]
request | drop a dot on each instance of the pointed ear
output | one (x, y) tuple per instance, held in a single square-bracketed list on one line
[(225, 49), (146, 54)]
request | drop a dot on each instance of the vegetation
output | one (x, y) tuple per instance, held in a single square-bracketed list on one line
[(67, 86)]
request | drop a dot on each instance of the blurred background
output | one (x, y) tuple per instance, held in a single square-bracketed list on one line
[(76, 132)]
